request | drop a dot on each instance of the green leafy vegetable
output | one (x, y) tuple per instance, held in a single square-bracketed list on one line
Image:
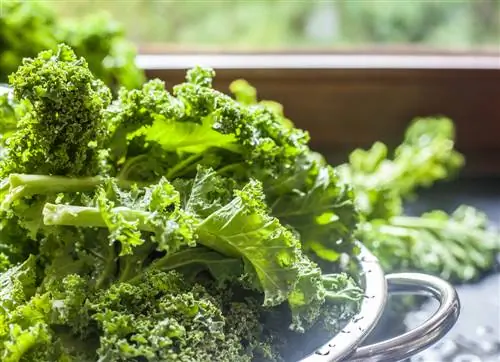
[(383, 182), (457, 247), (193, 226), (62, 131), (151, 226)]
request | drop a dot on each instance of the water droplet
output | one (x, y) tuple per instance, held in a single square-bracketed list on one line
[(323, 351), (356, 320)]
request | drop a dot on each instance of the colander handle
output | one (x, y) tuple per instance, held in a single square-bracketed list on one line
[(423, 336)]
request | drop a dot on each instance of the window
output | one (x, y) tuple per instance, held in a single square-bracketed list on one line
[(157, 25)]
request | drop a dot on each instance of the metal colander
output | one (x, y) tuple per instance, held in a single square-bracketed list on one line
[(346, 345)]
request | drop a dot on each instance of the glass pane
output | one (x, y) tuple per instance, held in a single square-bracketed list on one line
[(292, 24)]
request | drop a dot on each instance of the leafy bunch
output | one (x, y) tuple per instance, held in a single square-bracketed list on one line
[(191, 225), (149, 227), (458, 247)]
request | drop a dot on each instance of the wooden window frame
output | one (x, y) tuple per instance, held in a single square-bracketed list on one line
[(351, 100)]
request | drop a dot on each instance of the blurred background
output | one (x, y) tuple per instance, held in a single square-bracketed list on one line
[(314, 25)]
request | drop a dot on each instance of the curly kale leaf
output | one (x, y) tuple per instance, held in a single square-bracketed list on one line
[(207, 192), (192, 262), (198, 120), (237, 227), (161, 317), (198, 125), (382, 183), (242, 228), (457, 247), (60, 134), (18, 284), (11, 112), (282, 272), (48, 325), (318, 206), (23, 324), (152, 187), (246, 94), (154, 209)]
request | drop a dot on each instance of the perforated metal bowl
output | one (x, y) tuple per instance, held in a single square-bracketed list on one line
[(346, 345)]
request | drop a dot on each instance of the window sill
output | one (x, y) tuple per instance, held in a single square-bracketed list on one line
[(319, 61)]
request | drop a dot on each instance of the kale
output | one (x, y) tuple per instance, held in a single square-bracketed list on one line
[(194, 226), (151, 226)]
